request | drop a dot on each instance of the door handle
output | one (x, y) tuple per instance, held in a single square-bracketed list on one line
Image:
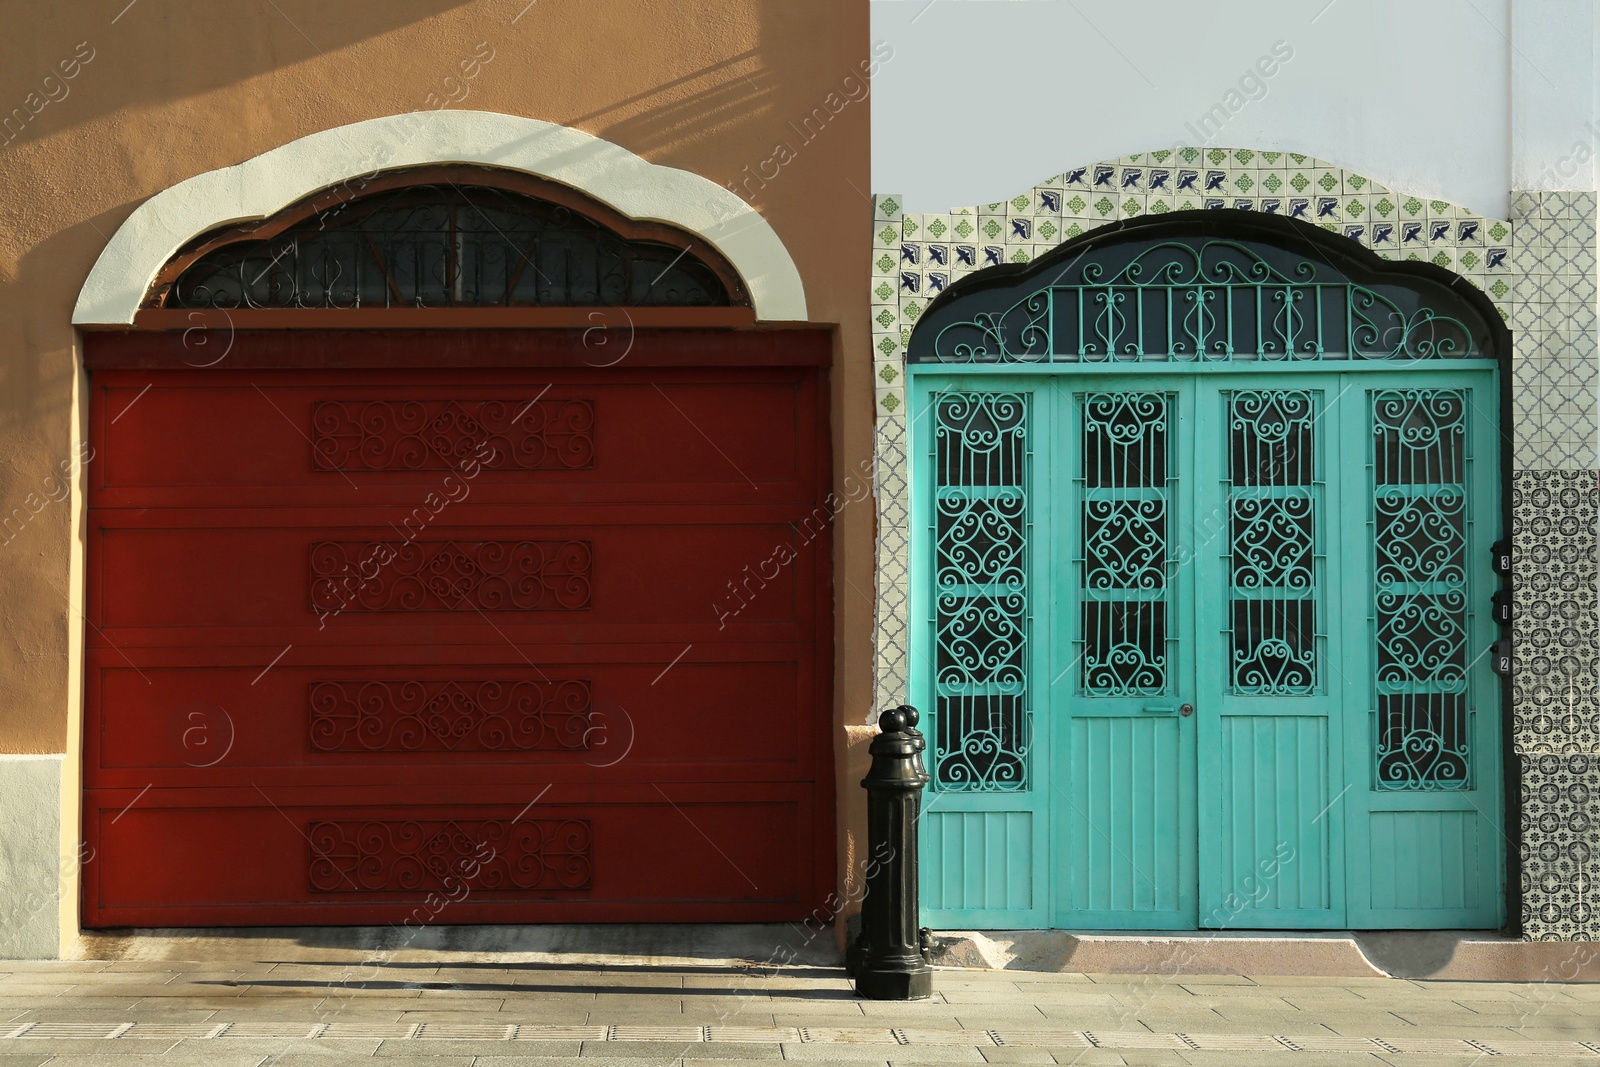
[(1185, 710)]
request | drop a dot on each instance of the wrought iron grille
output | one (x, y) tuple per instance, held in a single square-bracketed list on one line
[(982, 729), (1191, 296), (1275, 556), (436, 246), (1418, 464), (1125, 560)]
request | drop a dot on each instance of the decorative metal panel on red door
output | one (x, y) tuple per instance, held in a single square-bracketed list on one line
[(471, 644)]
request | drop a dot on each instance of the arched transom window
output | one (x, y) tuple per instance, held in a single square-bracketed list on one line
[(448, 237)]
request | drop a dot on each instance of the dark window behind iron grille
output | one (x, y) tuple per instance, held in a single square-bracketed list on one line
[(1419, 528), (1125, 554), (435, 246), (1202, 288), (982, 730), (1274, 542)]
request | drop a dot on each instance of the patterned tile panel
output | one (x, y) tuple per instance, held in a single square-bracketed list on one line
[(1556, 679), (1560, 858), (1553, 319), (890, 639)]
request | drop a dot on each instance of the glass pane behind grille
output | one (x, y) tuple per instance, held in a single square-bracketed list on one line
[(982, 730), (1275, 564), (1125, 557), (1420, 590)]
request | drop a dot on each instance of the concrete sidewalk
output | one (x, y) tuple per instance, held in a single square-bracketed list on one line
[(454, 1008)]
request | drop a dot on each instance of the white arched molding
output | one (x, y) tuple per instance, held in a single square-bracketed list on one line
[(266, 184)]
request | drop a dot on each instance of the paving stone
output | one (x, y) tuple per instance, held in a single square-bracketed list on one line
[(1426, 1060), (437, 1047), (744, 1018), (1286, 1059), (832, 1052), (1016, 1055), (670, 1050), (1096, 1057), (343, 1046), (834, 1018), (109, 1056), (111, 1017), (312, 1057), (606, 1061), (63, 1045)]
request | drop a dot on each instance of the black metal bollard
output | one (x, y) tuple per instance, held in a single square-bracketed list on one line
[(889, 961)]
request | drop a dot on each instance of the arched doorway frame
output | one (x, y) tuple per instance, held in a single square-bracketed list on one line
[(915, 256)]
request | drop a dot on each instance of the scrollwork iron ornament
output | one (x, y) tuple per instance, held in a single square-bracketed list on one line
[(1274, 496), (1125, 553), (981, 723), (1196, 298), (1420, 588)]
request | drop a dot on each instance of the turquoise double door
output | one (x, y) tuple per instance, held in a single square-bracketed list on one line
[(1208, 647)]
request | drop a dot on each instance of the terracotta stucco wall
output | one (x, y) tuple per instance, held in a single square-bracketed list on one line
[(160, 92)]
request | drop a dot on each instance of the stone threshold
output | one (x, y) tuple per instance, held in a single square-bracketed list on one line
[(1439, 955)]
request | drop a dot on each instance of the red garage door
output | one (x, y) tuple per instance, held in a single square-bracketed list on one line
[(464, 645)]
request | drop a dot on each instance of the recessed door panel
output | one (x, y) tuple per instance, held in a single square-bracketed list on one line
[(1125, 813)]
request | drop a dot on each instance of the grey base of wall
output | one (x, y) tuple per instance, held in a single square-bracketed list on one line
[(30, 848), (1439, 955), (570, 945)]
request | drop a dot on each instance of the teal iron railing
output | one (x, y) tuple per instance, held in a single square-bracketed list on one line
[(1215, 301)]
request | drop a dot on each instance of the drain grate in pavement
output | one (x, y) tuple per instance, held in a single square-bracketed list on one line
[(1512, 1046)]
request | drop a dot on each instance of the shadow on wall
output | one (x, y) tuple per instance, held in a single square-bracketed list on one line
[(703, 88), (651, 75), (79, 66)]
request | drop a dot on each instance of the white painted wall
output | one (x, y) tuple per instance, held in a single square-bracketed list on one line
[(986, 97)]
